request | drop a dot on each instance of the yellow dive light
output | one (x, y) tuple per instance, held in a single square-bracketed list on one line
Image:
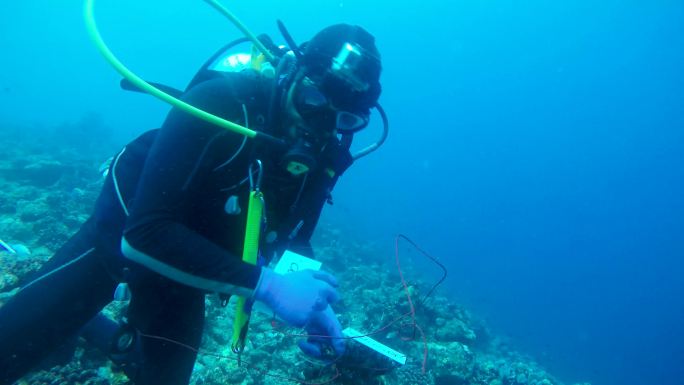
[(250, 252)]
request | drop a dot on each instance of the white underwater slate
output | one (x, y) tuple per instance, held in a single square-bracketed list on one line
[(291, 261), (375, 345)]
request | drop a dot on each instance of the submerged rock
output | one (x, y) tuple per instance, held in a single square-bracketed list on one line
[(41, 173), (455, 330), (8, 281)]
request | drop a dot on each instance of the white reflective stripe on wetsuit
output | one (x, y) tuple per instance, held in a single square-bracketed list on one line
[(180, 276), (242, 145), (49, 273), (116, 183)]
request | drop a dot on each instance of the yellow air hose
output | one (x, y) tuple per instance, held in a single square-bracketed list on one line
[(238, 24), (150, 89)]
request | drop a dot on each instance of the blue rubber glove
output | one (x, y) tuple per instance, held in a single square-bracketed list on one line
[(302, 299), (327, 325)]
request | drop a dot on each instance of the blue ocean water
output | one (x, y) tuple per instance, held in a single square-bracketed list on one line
[(536, 148)]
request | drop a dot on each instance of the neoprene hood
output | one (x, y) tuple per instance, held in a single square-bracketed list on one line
[(350, 51)]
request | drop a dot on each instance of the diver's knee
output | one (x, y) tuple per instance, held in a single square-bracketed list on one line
[(125, 350)]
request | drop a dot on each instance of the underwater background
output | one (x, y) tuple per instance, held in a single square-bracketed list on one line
[(536, 148)]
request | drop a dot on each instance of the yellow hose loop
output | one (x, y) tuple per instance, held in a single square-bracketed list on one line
[(150, 89), (225, 12)]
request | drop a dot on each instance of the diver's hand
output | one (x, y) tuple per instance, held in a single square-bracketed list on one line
[(302, 299), (324, 331), (296, 297)]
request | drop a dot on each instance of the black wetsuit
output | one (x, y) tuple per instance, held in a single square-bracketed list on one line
[(164, 199)]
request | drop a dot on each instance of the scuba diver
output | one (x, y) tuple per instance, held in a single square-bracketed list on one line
[(170, 219)]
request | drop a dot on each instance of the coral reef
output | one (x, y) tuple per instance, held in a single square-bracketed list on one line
[(47, 191)]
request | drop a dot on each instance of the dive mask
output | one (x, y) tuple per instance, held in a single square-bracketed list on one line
[(319, 113)]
